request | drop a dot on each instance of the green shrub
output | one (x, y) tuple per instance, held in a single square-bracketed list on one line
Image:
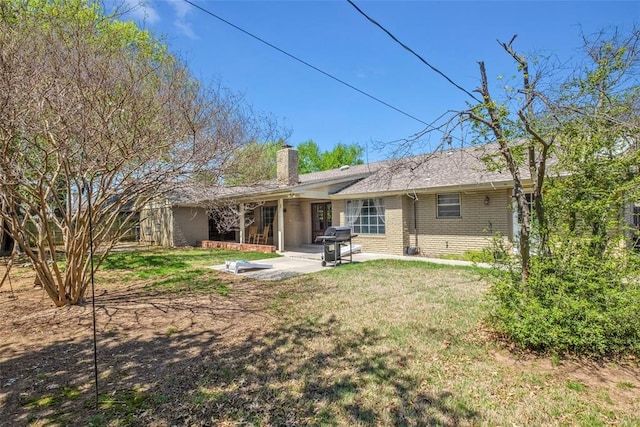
[(475, 255), (574, 302), (494, 253), (487, 255)]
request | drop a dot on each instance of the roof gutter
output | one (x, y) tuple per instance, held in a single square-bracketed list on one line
[(264, 196), (492, 185)]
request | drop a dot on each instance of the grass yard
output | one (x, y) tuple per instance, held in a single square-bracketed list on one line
[(377, 343)]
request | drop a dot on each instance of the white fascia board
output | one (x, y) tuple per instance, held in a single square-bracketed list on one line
[(429, 190), (328, 183), (311, 195), (265, 196)]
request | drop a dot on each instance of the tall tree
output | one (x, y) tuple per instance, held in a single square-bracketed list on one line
[(598, 151), (572, 125), (580, 294), (96, 118), (253, 163), (524, 141), (314, 160)]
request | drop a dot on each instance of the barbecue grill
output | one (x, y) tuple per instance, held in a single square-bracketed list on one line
[(332, 241)]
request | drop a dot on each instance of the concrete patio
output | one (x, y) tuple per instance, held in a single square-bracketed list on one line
[(307, 259)]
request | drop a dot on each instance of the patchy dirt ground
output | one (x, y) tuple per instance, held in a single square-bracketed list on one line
[(155, 349), (145, 342)]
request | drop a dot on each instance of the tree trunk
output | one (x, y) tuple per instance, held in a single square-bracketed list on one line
[(494, 123)]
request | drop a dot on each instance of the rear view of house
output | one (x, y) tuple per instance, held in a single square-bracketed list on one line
[(446, 202)]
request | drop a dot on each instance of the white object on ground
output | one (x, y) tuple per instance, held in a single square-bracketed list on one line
[(350, 249), (239, 264)]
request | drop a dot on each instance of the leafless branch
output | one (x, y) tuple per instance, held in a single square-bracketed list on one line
[(88, 117)]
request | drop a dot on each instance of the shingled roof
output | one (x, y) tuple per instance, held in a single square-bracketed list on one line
[(195, 194), (345, 172), (458, 168), (452, 168)]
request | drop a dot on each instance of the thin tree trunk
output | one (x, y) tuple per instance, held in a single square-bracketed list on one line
[(495, 125)]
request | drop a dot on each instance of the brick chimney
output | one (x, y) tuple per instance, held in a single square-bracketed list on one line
[(287, 165)]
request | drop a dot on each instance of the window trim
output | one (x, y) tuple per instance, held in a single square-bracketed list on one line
[(438, 205), (375, 225)]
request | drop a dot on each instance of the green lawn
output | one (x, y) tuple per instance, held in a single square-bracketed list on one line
[(376, 343), (402, 343), (181, 271)]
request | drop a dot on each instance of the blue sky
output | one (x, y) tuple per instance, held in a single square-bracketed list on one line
[(331, 35)]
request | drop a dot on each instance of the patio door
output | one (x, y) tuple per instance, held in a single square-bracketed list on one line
[(320, 219), (268, 218)]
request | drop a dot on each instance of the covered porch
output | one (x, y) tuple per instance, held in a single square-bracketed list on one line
[(283, 223)]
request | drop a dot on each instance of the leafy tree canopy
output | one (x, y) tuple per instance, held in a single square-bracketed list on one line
[(256, 161), (253, 163), (314, 160)]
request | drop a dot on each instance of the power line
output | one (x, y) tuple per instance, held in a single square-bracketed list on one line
[(208, 12), (374, 22)]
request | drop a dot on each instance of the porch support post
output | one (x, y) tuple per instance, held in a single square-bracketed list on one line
[(280, 225), (241, 222)]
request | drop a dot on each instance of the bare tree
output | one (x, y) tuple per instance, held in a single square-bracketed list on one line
[(524, 139), (96, 118), (227, 214)]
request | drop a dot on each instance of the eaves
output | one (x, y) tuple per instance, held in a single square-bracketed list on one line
[(491, 185)]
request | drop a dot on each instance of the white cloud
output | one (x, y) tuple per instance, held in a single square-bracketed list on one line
[(181, 8), (182, 11), (141, 11), (185, 28)]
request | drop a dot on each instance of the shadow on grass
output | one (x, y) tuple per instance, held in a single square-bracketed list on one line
[(306, 373), (313, 373), (54, 386)]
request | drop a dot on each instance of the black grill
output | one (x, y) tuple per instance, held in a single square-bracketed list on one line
[(336, 234), (332, 240)]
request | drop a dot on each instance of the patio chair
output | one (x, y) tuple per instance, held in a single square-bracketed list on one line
[(264, 236), (252, 232)]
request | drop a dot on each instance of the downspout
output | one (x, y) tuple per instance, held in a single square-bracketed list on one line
[(415, 219), (414, 197)]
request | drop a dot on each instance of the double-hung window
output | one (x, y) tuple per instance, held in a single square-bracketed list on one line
[(449, 205), (366, 216)]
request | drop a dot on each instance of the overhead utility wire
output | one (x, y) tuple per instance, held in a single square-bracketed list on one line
[(374, 22), (305, 63)]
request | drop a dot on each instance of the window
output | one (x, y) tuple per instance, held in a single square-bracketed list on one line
[(449, 205), (268, 215), (529, 198), (366, 216)]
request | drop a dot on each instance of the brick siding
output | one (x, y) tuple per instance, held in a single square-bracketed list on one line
[(478, 223)]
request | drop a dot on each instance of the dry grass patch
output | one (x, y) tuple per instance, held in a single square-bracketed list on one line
[(379, 343)]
